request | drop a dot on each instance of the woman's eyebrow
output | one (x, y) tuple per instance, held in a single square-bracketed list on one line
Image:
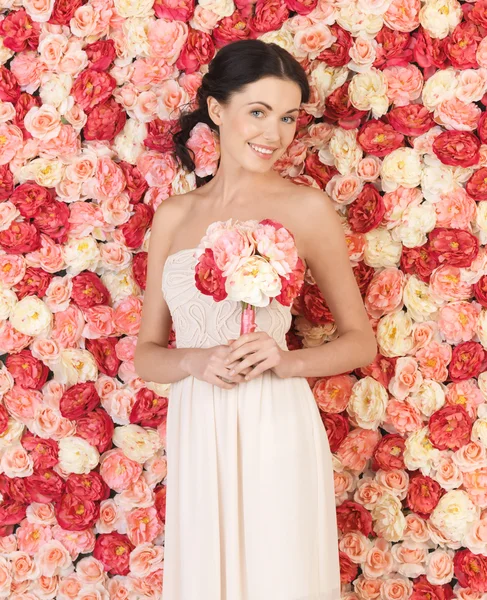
[(270, 107)]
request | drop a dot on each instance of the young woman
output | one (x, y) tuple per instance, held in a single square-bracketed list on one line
[(250, 511)]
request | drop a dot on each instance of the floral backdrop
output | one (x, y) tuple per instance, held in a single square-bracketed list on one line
[(395, 132)]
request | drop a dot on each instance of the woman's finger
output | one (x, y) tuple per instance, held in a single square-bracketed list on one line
[(244, 350), (257, 370)]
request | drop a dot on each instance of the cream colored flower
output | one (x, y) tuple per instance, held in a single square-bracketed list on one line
[(5, 53), (345, 150), (352, 18), (31, 316), (420, 452), (314, 335), (222, 8), (389, 520), (8, 300), (416, 222), (439, 87), (326, 79), (381, 250), (134, 8), (440, 17), (402, 167), (420, 301), (481, 327), (436, 179), (135, 36), (255, 281), (45, 172), (76, 455), (12, 434), (75, 365), (55, 89), (368, 91), (81, 254), (120, 284), (368, 403), (137, 443), (129, 143), (429, 398), (479, 430), (161, 389), (280, 37), (455, 514), (394, 334), (481, 222)]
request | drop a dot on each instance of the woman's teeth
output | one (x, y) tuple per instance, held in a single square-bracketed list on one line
[(261, 150)]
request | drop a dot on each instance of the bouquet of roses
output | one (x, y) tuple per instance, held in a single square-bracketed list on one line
[(251, 262)]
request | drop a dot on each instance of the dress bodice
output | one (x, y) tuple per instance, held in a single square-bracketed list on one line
[(201, 322)]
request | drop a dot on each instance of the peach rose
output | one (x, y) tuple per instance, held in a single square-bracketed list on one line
[(379, 561), (403, 15), (403, 417), (118, 471), (344, 189), (416, 529), (395, 481), (355, 545), (410, 557), (396, 588), (458, 115), (439, 567), (457, 321), (11, 139), (456, 209), (433, 360), (167, 38), (143, 525), (384, 293), (446, 283), (404, 84), (110, 516), (367, 588), (70, 587), (52, 558), (368, 492), (407, 378), (145, 559), (447, 473)]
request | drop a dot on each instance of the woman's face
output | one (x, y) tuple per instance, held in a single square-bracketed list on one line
[(258, 123)]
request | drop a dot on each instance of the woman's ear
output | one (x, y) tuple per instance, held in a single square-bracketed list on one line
[(214, 110)]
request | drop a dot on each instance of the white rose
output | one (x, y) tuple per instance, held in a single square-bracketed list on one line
[(137, 443), (129, 143), (479, 431), (76, 455), (436, 179), (39, 12), (410, 569), (16, 461), (439, 566), (81, 254), (5, 53), (455, 514), (44, 171), (6, 380), (368, 91), (420, 452), (440, 17), (135, 36), (222, 8), (394, 334), (389, 520), (482, 383), (472, 85), (183, 182), (352, 18), (282, 38), (445, 466), (31, 316), (120, 284), (8, 300), (255, 281), (48, 567), (402, 167), (481, 328), (429, 398), (481, 222), (12, 434), (381, 250), (75, 365), (439, 87), (326, 79), (345, 150), (421, 302), (368, 403), (134, 8), (55, 90), (415, 223)]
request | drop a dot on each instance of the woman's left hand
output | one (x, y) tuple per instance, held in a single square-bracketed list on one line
[(257, 350)]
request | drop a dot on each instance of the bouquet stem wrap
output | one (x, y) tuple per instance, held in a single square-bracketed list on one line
[(247, 323)]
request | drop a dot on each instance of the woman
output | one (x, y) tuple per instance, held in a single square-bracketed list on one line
[(250, 511)]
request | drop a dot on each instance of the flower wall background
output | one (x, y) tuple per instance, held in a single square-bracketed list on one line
[(396, 134)]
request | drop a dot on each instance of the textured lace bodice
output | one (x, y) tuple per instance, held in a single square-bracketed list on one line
[(199, 321)]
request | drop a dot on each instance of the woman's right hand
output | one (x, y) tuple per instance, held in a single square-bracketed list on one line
[(208, 364)]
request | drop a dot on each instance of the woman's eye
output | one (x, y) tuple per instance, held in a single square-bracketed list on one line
[(256, 111), (292, 119)]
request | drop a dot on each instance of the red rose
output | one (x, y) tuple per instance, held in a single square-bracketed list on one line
[(423, 495), (136, 185), (88, 290), (363, 276), (293, 341), (52, 218), (113, 550), (477, 184), (461, 46), (63, 11), (22, 107), (392, 48), (482, 128), (338, 108), (367, 211), (231, 29), (160, 501), (90, 486), (101, 54), (44, 452), (457, 148), (105, 121), (290, 288), (6, 182), (268, 15), (378, 138), (456, 247), (159, 135), (29, 198), (480, 291), (337, 55), (389, 452), (3, 419), (198, 50), (382, 369), (92, 88), (12, 512), (13, 488), (337, 427), (21, 237), (149, 410), (27, 371), (76, 513), (411, 120), (78, 400), (313, 305), (471, 570), (478, 14), (9, 87), (302, 7), (208, 277), (450, 427), (424, 590), (44, 486), (348, 569), (468, 360), (429, 52), (34, 283), (134, 229), (103, 349), (139, 268), (420, 261), (19, 31), (352, 516), (316, 169), (181, 11), (97, 429)]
